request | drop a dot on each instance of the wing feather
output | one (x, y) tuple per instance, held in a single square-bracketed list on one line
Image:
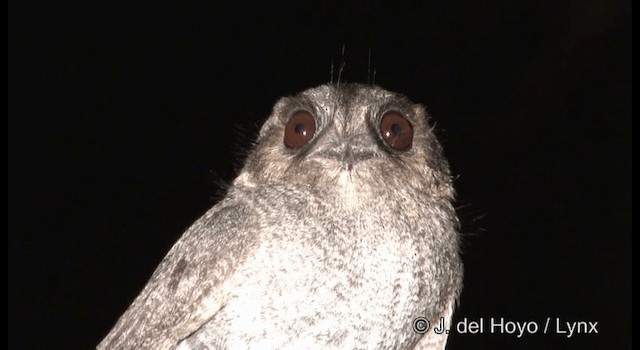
[(186, 289)]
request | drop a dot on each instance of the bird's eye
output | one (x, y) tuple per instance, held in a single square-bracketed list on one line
[(396, 131), (299, 130)]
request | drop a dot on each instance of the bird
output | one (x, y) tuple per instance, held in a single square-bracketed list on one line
[(338, 232)]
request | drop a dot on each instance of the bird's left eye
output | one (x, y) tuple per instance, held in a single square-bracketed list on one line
[(299, 130), (396, 131)]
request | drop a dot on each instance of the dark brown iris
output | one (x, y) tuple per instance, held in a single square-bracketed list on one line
[(299, 130), (396, 131)]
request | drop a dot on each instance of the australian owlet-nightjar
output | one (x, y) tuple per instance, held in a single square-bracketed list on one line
[(338, 232)]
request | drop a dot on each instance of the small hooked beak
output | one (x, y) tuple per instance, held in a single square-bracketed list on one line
[(348, 154)]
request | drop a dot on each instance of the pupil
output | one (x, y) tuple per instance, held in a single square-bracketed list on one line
[(299, 128), (396, 129)]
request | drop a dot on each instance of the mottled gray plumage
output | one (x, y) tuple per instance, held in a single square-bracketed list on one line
[(339, 244)]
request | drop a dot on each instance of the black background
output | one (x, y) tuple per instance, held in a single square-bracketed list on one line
[(125, 120)]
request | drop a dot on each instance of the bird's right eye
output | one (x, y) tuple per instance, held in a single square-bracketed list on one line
[(299, 129)]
